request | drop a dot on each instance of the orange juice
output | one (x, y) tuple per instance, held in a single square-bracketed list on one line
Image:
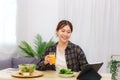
[(52, 56)]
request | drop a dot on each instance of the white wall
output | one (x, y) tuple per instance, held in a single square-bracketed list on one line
[(36, 16), (42, 16)]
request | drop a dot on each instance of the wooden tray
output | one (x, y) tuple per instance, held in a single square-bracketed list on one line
[(33, 75)]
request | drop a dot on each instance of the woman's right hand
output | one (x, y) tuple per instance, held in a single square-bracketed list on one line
[(47, 59)]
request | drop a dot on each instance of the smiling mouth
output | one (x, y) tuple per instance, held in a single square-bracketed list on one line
[(64, 38)]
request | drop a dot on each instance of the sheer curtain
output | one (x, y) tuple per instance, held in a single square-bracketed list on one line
[(7, 27), (96, 27)]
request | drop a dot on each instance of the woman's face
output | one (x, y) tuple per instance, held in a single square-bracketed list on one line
[(64, 34)]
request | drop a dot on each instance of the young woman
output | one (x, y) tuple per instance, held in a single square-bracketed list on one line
[(68, 55)]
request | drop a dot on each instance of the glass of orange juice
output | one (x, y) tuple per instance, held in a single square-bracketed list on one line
[(52, 56)]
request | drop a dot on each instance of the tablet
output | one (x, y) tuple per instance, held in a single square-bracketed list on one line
[(90, 72), (95, 66)]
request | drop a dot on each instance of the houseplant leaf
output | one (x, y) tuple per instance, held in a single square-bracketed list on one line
[(113, 64), (25, 47), (40, 47)]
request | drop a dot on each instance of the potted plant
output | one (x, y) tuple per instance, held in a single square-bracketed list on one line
[(39, 47), (113, 64)]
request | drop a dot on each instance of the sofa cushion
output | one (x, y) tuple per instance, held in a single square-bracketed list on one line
[(6, 63), (23, 60)]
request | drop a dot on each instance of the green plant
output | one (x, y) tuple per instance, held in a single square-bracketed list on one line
[(113, 68), (39, 47)]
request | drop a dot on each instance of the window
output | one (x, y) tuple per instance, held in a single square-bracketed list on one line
[(7, 22)]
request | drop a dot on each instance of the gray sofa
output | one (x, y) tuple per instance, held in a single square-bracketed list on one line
[(14, 62)]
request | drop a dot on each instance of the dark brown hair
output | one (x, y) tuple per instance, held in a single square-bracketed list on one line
[(63, 23)]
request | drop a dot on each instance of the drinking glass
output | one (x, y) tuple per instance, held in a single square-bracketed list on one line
[(53, 58)]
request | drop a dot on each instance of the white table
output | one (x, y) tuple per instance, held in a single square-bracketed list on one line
[(48, 75)]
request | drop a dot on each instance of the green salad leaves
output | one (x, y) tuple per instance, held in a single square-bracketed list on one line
[(66, 71)]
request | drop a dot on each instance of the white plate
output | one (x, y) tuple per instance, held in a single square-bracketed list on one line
[(67, 75)]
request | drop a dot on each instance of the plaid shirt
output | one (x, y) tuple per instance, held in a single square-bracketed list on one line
[(74, 55)]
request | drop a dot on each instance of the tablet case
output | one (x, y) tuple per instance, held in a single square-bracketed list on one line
[(89, 73)]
